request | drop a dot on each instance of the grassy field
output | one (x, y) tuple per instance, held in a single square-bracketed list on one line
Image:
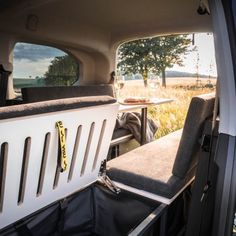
[(169, 117)]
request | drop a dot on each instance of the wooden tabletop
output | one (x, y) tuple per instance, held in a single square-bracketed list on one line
[(153, 102)]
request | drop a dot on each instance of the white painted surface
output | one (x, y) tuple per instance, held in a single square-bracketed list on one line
[(15, 131)]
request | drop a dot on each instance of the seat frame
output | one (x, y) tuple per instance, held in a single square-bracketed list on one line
[(153, 196)]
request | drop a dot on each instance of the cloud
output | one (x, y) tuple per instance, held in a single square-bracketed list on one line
[(24, 68), (33, 52)]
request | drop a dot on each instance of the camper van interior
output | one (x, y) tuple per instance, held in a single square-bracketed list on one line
[(56, 135)]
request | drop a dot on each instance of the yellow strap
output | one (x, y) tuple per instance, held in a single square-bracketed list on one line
[(63, 161)]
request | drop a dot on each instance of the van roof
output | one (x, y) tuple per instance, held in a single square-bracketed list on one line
[(86, 23)]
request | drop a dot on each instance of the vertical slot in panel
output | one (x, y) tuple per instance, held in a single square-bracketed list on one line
[(99, 144), (75, 151), (58, 169), (24, 169), (87, 149), (43, 163), (3, 167)]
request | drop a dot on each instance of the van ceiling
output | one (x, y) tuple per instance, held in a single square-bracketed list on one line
[(87, 22)]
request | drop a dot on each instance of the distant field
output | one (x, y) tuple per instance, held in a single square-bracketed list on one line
[(173, 81), (170, 117)]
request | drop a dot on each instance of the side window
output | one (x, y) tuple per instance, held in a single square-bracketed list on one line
[(37, 65), (172, 66)]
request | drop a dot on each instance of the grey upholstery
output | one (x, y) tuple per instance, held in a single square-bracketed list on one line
[(37, 94), (200, 109), (153, 167), (148, 167), (52, 106)]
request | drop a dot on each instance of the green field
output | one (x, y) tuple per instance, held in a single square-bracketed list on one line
[(170, 117)]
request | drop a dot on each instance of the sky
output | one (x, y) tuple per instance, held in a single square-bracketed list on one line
[(33, 60), (205, 49)]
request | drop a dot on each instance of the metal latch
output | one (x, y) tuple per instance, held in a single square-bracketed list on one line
[(105, 180)]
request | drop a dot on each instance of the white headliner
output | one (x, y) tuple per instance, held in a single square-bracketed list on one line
[(85, 23), (92, 30)]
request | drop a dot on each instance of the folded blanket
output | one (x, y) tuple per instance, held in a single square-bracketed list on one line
[(132, 122)]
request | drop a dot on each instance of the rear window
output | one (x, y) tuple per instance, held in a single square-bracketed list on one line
[(38, 65)]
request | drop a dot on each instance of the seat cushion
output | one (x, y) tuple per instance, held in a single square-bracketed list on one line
[(53, 106), (36, 94), (149, 167)]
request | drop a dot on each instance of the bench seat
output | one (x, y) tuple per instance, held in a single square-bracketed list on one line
[(163, 168), (135, 170)]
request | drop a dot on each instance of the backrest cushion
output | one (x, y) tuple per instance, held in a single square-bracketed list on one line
[(37, 94), (201, 107), (53, 106)]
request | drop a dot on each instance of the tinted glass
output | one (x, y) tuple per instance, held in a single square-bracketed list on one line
[(37, 65)]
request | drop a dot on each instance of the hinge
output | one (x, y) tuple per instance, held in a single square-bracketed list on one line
[(105, 180)]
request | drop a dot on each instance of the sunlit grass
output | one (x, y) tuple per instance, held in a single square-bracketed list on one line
[(171, 116)]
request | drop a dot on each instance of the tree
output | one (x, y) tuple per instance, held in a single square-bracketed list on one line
[(135, 57), (153, 55), (62, 71)]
